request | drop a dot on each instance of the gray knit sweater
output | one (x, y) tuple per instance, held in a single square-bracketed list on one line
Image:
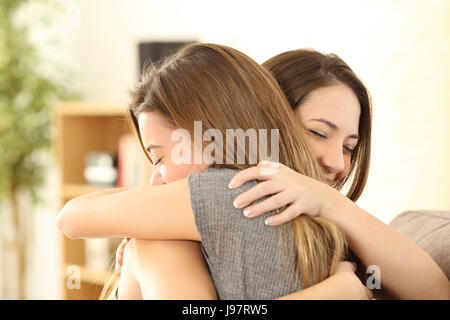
[(244, 255)]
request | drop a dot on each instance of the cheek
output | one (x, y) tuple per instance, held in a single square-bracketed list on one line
[(314, 146), (347, 161), (171, 172)]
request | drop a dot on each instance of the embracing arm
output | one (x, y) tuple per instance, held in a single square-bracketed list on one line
[(407, 271), (159, 212), (342, 285)]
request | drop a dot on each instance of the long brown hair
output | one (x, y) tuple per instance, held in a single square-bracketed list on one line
[(225, 89), (298, 72)]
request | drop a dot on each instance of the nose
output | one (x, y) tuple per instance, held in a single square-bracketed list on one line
[(156, 178), (333, 161)]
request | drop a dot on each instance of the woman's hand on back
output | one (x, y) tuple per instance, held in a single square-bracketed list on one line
[(355, 289), (119, 255), (286, 187)]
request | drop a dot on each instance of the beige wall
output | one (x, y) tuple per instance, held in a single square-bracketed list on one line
[(409, 80)]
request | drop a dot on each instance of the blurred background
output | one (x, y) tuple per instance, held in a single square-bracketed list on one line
[(53, 52)]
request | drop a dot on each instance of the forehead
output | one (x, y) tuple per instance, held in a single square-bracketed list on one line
[(337, 104), (153, 128)]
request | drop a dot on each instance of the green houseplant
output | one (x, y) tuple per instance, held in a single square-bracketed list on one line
[(27, 95)]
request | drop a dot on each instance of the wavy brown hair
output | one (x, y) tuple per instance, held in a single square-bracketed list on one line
[(225, 89), (299, 72)]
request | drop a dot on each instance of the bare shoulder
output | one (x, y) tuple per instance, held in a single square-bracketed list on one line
[(172, 269), (146, 251), (129, 287)]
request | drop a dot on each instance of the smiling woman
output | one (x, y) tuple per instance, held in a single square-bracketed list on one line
[(334, 107), (330, 116)]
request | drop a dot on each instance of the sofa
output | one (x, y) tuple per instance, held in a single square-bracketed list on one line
[(430, 230)]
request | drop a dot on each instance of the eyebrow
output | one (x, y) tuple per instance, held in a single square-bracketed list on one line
[(334, 127), (151, 146)]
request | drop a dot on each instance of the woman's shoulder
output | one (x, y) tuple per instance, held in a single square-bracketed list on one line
[(212, 184), (244, 255), (214, 172), (212, 204)]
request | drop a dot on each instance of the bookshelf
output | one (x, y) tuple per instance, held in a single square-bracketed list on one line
[(79, 128)]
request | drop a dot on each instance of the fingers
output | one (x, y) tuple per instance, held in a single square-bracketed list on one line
[(259, 191), (117, 269), (346, 266), (119, 255), (290, 213), (369, 293), (263, 171), (276, 201)]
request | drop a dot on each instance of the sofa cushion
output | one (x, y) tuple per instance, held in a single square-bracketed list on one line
[(430, 230)]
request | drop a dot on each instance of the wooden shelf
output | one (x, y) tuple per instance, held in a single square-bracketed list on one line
[(80, 128)]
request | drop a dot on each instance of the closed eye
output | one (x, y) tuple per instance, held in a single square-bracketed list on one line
[(156, 162), (349, 150), (321, 136), (317, 134)]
